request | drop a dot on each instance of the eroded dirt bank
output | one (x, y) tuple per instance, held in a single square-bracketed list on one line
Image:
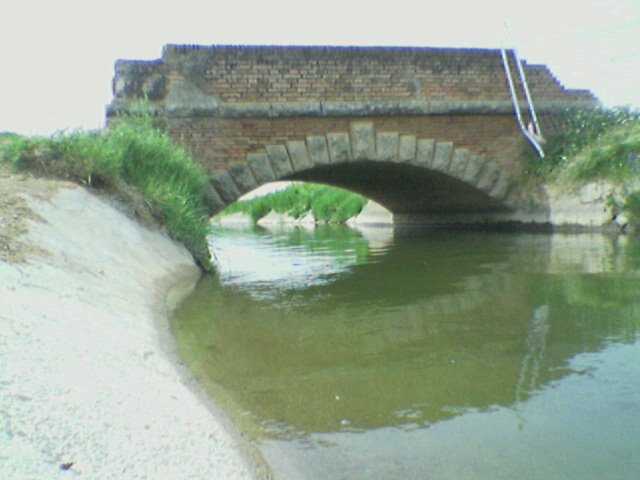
[(90, 384)]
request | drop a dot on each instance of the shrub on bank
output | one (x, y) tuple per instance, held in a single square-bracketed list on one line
[(131, 153)]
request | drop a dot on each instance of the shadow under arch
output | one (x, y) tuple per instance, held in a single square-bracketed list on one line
[(407, 175)]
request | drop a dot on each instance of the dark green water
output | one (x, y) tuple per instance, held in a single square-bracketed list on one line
[(424, 354)]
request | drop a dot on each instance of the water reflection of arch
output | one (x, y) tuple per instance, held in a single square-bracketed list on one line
[(409, 362)]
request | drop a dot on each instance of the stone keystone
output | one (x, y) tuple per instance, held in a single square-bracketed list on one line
[(339, 147), (318, 150), (363, 141), (261, 168), (442, 156), (300, 159), (279, 160), (387, 146)]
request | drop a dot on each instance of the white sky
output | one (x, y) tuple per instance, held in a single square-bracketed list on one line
[(57, 56)]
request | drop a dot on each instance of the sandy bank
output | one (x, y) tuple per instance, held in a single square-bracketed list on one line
[(88, 372)]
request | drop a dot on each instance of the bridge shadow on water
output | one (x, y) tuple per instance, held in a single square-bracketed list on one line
[(416, 329)]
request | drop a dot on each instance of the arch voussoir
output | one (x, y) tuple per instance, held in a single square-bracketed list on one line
[(425, 148), (318, 150), (474, 167), (407, 148), (243, 177), (225, 186), (488, 178), (501, 188), (442, 156), (339, 147), (279, 160), (387, 146), (261, 168), (363, 140), (459, 161), (299, 155)]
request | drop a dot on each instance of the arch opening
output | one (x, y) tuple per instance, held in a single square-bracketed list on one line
[(406, 175)]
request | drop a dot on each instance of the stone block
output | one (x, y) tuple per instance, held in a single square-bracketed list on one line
[(424, 152), (224, 185), (488, 177), (363, 141), (261, 168), (299, 155), (212, 199), (279, 160), (475, 164), (387, 146), (501, 187), (407, 148), (442, 156), (339, 147), (459, 162), (318, 150), (242, 176)]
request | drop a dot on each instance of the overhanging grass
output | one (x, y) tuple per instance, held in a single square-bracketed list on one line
[(590, 146), (133, 152), (327, 204), (614, 156), (575, 131)]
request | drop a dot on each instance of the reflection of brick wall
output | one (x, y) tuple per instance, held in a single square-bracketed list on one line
[(295, 74)]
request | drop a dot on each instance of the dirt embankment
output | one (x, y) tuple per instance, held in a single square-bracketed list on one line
[(90, 384)]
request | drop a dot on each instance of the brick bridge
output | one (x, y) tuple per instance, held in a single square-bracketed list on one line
[(428, 132)]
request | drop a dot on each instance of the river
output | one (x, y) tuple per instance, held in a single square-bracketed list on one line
[(424, 354)]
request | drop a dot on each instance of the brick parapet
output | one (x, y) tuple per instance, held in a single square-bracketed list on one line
[(239, 74)]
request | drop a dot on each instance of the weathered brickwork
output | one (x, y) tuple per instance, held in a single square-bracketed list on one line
[(255, 114), (268, 74)]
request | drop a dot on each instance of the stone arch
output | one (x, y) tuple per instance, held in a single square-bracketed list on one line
[(362, 143)]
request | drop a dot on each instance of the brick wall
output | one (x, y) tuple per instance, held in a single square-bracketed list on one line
[(296, 74), (195, 89)]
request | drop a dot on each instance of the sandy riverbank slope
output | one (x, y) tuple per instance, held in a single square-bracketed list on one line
[(88, 371)]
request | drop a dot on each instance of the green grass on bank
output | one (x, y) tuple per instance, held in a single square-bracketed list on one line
[(132, 153), (576, 132), (613, 156), (592, 145), (327, 204)]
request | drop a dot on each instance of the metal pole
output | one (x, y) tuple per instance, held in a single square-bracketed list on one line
[(516, 104)]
